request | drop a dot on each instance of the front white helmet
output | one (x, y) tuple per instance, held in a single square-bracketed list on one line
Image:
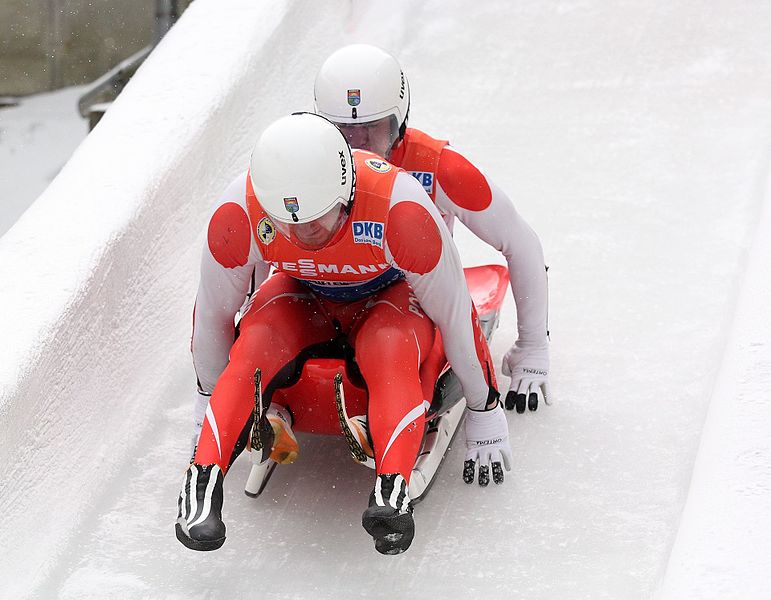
[(363, 90), (303, 176)]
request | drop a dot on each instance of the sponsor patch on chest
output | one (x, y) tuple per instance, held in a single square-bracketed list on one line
[(368, 232), (328, 273), (426, 179)]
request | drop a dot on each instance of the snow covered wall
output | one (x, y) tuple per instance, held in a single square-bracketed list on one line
[(723, 545), (635, 137), (101, 268)]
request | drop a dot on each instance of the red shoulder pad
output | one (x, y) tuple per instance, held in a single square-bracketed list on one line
[(463, 183), (229, 235), (413, 238)]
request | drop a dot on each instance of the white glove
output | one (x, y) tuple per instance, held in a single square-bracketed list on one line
[(528, 368), (199, 413), (487, 441)]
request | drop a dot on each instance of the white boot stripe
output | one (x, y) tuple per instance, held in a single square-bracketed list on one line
[(404, 498), (207, 496), (191, 492), (379, 492), (394, 499)]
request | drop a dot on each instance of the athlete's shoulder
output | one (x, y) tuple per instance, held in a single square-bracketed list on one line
[(229, 234), (413, 227), (462, 181), (419, 137), (367, 162), (419, 153), (375, 176)]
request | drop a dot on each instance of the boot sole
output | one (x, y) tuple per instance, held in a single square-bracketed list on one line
[(393, 533), (199, 545)]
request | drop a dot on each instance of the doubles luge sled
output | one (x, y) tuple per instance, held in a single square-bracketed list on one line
[(329, 389)]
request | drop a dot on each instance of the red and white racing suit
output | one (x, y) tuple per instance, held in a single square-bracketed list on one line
[(392, 267), (462, 191)]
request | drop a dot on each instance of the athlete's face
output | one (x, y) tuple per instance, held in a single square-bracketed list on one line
[(315, 234), (376, 136)]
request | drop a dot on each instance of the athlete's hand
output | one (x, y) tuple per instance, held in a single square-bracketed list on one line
[(487, 441), (528, 368)]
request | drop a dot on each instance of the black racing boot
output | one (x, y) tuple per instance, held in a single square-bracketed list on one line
[(199, 521), (389, 516)]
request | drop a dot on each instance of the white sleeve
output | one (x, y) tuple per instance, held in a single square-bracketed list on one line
[(419, 244), (225, 281), (502, 227)]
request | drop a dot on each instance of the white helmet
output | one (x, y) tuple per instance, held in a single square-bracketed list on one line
[(363, 90), (303, 176)]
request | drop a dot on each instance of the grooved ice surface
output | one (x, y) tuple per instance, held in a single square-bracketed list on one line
[(634, 137)]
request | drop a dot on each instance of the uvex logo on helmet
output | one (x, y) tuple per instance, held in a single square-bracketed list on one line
[(344, 173), (401, 90)]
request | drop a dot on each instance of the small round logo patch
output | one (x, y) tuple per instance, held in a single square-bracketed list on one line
[(378, 165), (266, 231), (291, 205)]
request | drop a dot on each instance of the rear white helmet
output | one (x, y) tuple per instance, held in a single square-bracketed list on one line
[(363, 90), (303, 176)]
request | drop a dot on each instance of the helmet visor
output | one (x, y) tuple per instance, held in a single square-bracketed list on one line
[(376, 136), (315, 234)]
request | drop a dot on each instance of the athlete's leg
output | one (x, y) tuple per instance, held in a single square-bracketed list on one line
[(282, 320), (391, 339)]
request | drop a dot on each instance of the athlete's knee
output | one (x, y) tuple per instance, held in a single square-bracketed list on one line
[(255, 342), (385, 345)]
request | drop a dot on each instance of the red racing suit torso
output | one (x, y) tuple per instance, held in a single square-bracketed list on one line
[(419, 156), (460, 190), (394, 231), (354, 265)]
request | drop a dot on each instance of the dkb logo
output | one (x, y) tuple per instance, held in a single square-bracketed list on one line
[(368, 232), (426, 180)]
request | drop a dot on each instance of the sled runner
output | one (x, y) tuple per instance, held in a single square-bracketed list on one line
[(329, 389)]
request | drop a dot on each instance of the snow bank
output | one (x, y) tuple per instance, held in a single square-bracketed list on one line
[(723, 545), (102, 268)]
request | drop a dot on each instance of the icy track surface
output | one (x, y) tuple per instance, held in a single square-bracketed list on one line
[(634, 137)]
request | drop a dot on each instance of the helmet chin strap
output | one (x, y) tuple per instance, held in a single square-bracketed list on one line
[(402, 133), (349, 205), (403, 127)]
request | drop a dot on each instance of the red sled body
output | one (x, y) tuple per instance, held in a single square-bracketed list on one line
[(312, 398)]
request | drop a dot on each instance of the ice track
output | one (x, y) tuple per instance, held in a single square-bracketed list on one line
[(634, 137)]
